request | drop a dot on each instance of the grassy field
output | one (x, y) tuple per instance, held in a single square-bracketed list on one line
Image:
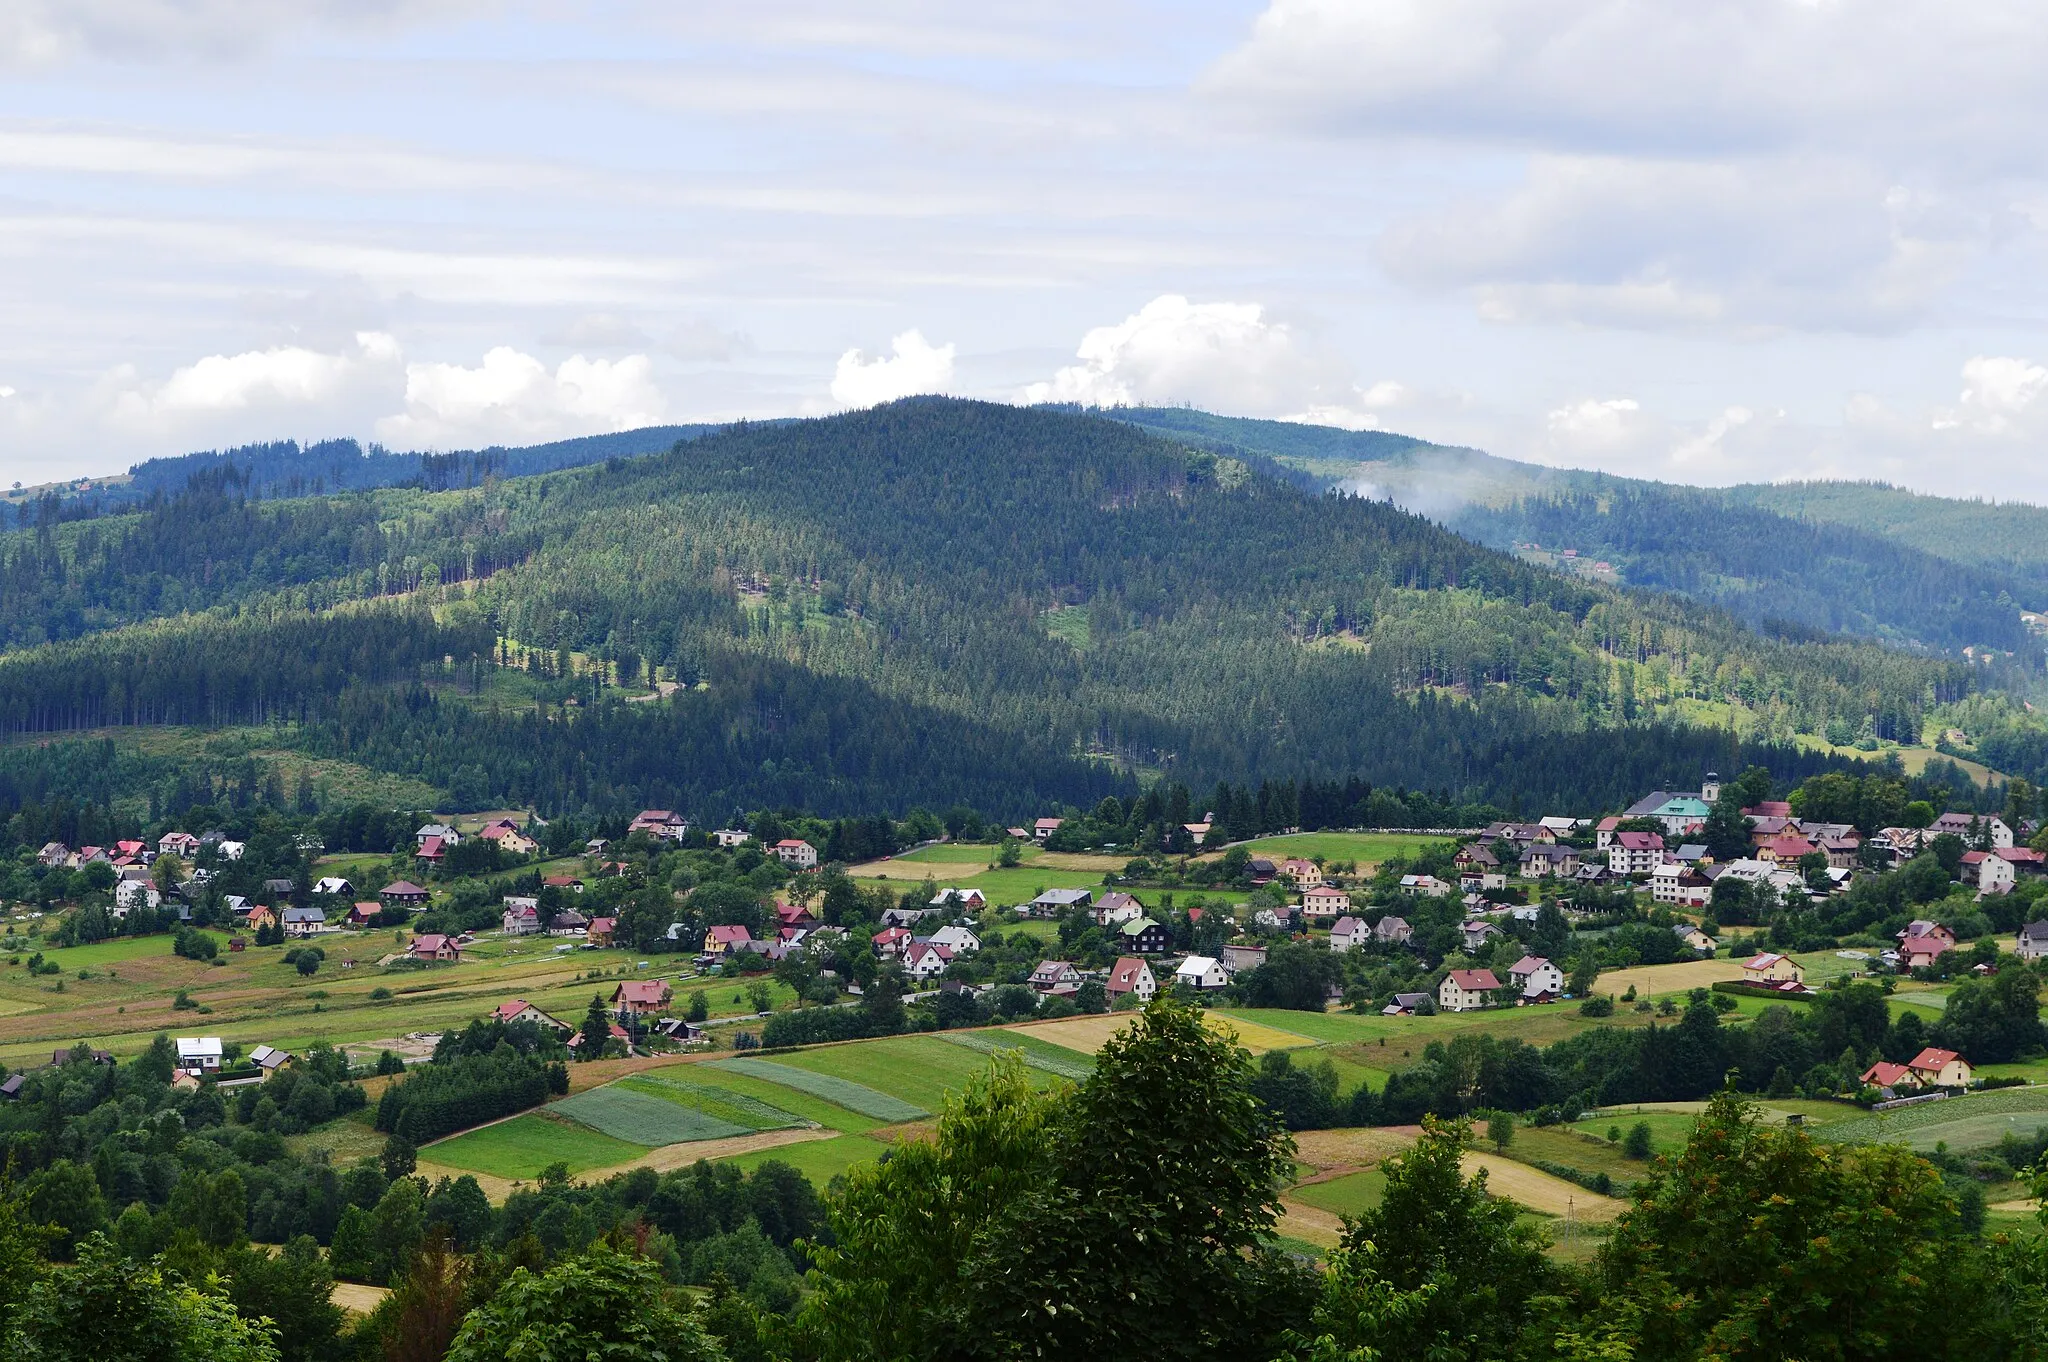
[(829, 1087), (645, 1118), (830, 1115), (820, 1160), (1351, 1195), (920, 1070), (1962, 1123), (523, 1146), (1088, 1034), (1366, 848)]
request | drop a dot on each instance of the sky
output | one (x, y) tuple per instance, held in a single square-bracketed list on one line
[(1726, 241)]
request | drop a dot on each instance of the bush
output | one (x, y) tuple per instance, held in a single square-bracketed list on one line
[(1599, 1005), (1637, 1145), (191, 945)]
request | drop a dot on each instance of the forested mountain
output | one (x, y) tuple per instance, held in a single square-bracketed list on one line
[(1833, 557), (926, 602)]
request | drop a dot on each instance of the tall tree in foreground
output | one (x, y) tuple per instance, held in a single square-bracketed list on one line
[(605, 1306)]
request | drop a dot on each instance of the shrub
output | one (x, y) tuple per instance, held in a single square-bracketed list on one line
[(1599, 1005), (1636, 1145)]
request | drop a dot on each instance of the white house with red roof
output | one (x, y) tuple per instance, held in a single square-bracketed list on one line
[(1325, 902), (1055, 978), (1893, 1076), (1130, 975), (435, 946), (892, 941), (641, 997), (1772, 969), (520, 1010), (1045, 827), (926, 961), (1538, 980), (797, 852), (1466, 990), (1635, 853)]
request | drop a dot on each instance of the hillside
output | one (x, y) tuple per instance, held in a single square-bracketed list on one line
[(1920, 572), (927, 602)]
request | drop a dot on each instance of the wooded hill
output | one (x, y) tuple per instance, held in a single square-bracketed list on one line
[(929, 601), (1864, 559)]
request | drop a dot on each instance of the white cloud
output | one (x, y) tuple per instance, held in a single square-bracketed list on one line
[(264, 384), (37, 32), (1998, 397), (1222, 356), (513, 398), (913, 366)]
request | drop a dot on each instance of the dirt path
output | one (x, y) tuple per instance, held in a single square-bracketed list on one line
[(1310, 1224), (663, 1160)]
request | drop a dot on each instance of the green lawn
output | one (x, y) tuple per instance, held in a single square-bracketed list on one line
[(1367, 848), (811, 1108), (1057, 1060), (1353, 1194), (523, 1146), (1328, 1027), (818, 1160), (921, 1070), (978, 854), (845, 1092), (1974, 1122)]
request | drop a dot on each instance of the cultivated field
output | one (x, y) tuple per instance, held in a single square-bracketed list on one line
[(1089, 1034), (1366, 848)]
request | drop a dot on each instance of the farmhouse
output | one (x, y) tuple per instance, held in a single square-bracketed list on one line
[(1770, 968), (925, 961), (402, 894), (1305, 874), (435, 946), (2033, 941), (199, 1054), (520, 1010), (726, 938), (360, 915), (304, 921), (1429, 886), (431, 853), (521, 917), (641, 998), (1466, 990), (1392, 931), (568, 922), (1201, 972), (599, 932), (1055, 901), (1130, 975), (333, 884), (1940, 1068), (1116, 908)]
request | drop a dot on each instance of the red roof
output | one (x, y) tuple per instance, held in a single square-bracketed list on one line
[(1790, 847), (1932, 1060), (891, 936), (402, 887), (430, 849), (1124, 977), (511, 1008), (1924, 945), (731, 934), (1885, 1075), (1769, 808), (792, 842), (1639, 841), (599, 926), (1474, 980), (650, 992), (560, 881), (433, 943)]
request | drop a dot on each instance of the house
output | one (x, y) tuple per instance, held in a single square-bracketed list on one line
[(1918, 952), (1238, 959), (232, 851), (1972, 827), (599, 932), (132, 894), (1055, 978), (1680, 884), (794, 915), (1261, 870), (1770, 968), (1202, 973), (1466, 990), (1131, 975), (1940, 1068), (905, 917), (890, 941), (641, 998), (1116, 908), (2033, 941), (797, 852), (613, 1032), (1692, 853), (269, 1059), (726, 938), (1143, 936), (567, 882), (925, 961), (1991, 873), (1349, 932), (960, 900), (731, 837), (199, 1054), (1635, 853), (436, 946), (1680, 814), (1921, 926), (1541, 862), (361, 915), (522, 917), (1561, 826), (1044, 828), (1429, 886), (1883, 1075), (431, 853), (1475, 856), (1053, 902), (520, 1010), (1392, 931), (11, 1087), (182, 844), (1769, 808), (332, 884), (1785, 849), (1538, 979), (661, 824), (304, 921), (1198, 833), (509, 838), (1324, 901), (402, 894), (1405, 1005), (1305, 874), (1603, 833), (1693, 938), (447, 836), (959, 940), (1590, 872), (1515, 833), (568, 922), (1477, 933), (256, 916)]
